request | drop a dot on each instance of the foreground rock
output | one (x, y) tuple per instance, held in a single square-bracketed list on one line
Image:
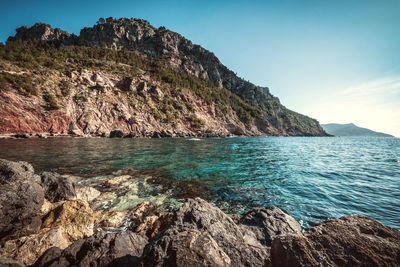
[(101, 249), (57, 188), (21, 198), (197, 214), (67, 232), (348, 241), (27, 249), (265, 224)]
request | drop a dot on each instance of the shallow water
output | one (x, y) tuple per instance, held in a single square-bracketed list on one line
[(312, 179)]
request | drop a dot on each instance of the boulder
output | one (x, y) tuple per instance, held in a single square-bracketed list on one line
[(101, 249), (116, 133), (127, 84), (21, 198), (198, 214), (347, 241), (265, 224), (75, 216), (187, 248), (28, 249), (57, 188)]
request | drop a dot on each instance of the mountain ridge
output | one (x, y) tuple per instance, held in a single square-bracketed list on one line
[(350, 129), (178, 53)]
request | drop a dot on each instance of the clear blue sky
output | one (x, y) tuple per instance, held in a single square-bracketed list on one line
[(336, 61)]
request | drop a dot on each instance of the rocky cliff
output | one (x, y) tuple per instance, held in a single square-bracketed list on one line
[(251, 110)]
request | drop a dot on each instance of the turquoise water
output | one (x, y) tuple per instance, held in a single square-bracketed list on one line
[(312, 179)]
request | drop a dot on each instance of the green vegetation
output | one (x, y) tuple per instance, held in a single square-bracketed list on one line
[(34, 55), (22, 82), (64, 88), (197, 123), (51, 101)]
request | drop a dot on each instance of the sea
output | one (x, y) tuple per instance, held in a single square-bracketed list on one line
[(310, 178)]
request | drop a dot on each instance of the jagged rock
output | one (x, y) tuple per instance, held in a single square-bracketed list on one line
[(74, 129), (44, 32), (187, 248), (75, 216), (265, 224), (127, 84), (347, 241), (159, 225), (86, 193), (116, 133), (5, 262), (197, 214), (28, 249), (101, 249), (21, 198), (57, 188)]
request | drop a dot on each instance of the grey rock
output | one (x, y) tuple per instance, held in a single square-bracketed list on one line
[(57, 188), (5, 262), (101, 249), (347, 241), (21, 198), (187, 248), (198, 214), (265, 224)]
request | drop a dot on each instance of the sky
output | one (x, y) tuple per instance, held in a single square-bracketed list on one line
[(335, 61)]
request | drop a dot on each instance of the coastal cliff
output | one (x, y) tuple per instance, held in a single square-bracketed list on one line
[(126, 75), (47, 220)]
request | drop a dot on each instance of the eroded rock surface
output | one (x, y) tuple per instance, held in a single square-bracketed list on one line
[(266, 223), (21, 198), (347, 241), (101, 249), (198, 214), (57, 188)]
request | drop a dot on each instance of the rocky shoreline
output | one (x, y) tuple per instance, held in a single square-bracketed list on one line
[(47, 220)]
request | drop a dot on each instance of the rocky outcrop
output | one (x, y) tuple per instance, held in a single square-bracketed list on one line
[(197, 214), (186, 248), (101, 249), (44, 32), (70, 233), (179, 53), (347, 241), (56, 188), (265, 224), (21, 198)]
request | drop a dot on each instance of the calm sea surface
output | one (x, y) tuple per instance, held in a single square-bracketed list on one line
[(312, 179)]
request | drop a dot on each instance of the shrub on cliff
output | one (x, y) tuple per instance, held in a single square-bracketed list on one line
[(51, 101), (21, 82)]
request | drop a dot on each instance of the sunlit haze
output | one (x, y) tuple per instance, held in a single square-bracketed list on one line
[(336, 61)]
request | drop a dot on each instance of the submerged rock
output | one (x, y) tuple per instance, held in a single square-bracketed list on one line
[(101, 249), (347, 241), (21, 198)]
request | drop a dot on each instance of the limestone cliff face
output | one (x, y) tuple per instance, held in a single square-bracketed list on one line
[(182, 54)]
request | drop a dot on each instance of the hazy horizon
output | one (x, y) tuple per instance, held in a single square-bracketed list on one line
[(337, 62)]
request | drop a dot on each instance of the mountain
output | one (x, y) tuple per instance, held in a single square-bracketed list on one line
[(126, 74), (351, 130)]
